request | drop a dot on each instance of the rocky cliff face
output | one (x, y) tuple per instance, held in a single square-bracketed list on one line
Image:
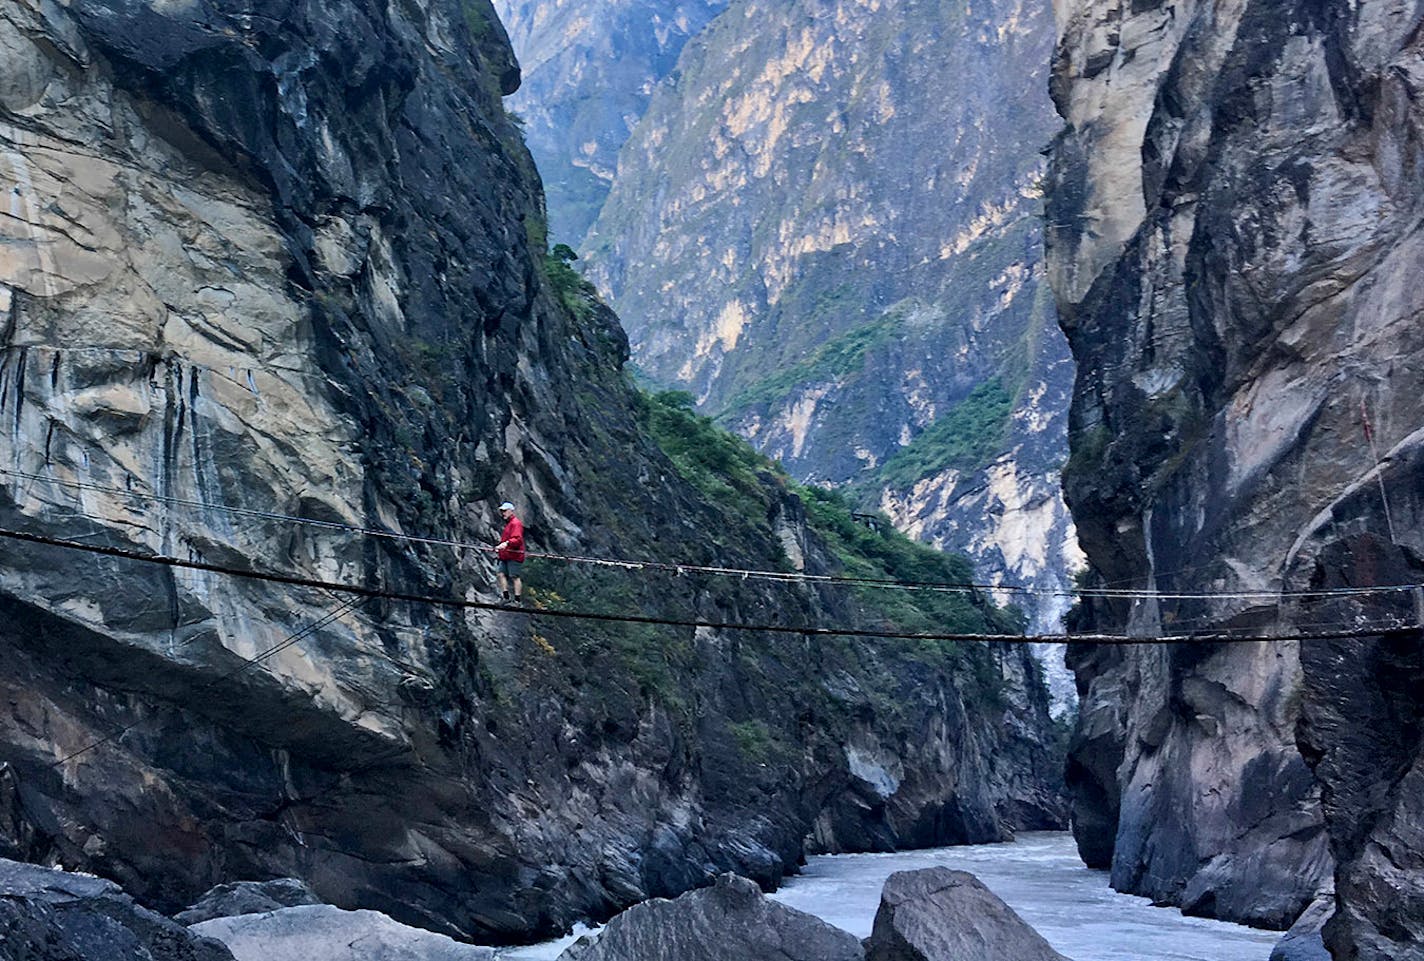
[(589, 71), (1234, 219), (286, 258), (825, 226)]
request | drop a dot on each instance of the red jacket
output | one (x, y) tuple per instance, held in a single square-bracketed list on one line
[(514, 536)]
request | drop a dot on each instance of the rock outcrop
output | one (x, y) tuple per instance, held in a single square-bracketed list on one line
[(937, 913), (1304, 941), (1362, 730), (729, 921), (247, 897), (320, 932), (826, 227), (287, 262), (1233, 222), (48, 915)]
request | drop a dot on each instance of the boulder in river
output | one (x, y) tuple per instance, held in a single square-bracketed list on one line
[(1305, 941), (320, 932), (941, 915), (247, 897), (50, 915), (729, 921)]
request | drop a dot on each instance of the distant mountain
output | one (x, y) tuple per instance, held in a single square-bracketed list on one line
[(826, 226), (590, 67)]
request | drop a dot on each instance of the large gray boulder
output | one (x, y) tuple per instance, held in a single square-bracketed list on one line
[(50, 915), (320, 932), (730, 921), (941, 915), (1305, 941), (247, 897)]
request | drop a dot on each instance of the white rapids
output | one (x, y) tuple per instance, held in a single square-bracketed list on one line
[(1040, 877)]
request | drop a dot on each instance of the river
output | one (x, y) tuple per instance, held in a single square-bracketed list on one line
[(1041, 878)]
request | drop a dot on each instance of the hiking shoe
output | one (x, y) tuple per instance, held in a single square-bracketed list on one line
[(518, 599), (505, 597)]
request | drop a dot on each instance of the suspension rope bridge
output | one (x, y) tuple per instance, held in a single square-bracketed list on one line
[(956, 587), (357, 594), (803, 630)]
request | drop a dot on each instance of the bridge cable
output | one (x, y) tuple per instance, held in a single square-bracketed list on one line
[(744, 573)]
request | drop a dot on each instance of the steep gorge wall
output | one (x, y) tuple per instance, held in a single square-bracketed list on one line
[(825, 226), (278, 258), (1234, 229)]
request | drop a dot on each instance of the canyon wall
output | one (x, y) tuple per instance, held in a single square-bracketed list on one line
[(286, 259), (1234, 229)]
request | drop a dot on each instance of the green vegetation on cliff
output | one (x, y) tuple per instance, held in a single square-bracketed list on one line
[(966, 438), (719, 464), (575, 293), (841, 356), (730, 471)]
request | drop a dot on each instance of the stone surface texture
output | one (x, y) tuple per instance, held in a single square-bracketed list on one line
[(284, 258), (247, 897), (729, 921), (1234, 229), (825, 225), (936, 914), (320, 932), (48, 915), (1362, 730), (1305, 940)]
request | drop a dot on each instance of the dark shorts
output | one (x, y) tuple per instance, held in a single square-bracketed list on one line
[(509, 568)]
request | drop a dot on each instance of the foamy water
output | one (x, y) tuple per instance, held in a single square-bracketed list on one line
[(1041, 878)]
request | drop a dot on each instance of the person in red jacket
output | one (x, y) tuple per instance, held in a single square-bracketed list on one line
[(510, 552)]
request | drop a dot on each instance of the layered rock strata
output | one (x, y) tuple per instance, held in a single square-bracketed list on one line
[(1233, 225), (286, 262)]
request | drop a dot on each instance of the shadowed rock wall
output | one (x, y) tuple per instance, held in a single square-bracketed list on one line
[(1234, 222)]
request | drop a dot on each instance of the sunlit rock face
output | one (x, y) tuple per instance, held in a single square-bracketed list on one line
[(287, 261), (590, 68), (1233, 233), (826, 226)]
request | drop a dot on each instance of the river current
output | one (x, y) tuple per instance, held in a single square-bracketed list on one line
[(1041, 878)]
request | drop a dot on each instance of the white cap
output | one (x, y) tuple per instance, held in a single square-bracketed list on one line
[(506, 506)]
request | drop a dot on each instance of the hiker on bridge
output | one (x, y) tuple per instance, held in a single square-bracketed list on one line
[(510, 553)]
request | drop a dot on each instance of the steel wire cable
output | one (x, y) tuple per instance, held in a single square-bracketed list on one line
[(1395, 627), (744, 573)]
